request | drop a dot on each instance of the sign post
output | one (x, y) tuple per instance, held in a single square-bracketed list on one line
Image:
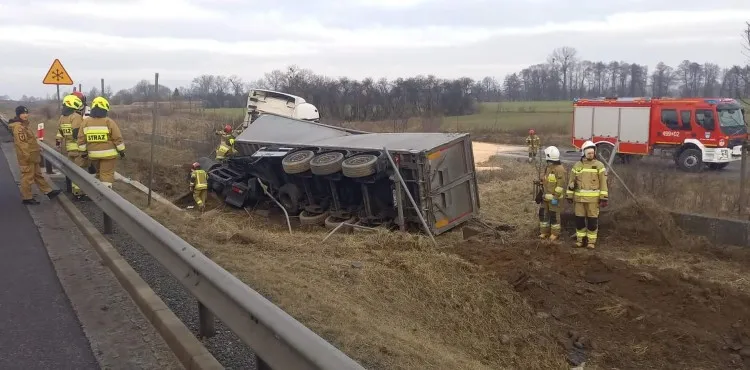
[(57, 75)]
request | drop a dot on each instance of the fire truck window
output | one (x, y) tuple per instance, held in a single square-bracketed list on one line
[(705, 118), (685, 116), (669, 118)]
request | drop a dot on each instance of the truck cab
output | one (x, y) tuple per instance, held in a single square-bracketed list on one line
[(694, 132), (261, 101)]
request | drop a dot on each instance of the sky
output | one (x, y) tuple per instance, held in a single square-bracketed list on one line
[(124, 41)]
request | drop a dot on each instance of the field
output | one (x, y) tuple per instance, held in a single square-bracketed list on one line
[(501, 299)]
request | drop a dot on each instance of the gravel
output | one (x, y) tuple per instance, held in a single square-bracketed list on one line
[(225, 346)]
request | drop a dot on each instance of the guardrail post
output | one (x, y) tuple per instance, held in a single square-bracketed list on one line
[(48, 166), (206, 321), (68, 185), (107, 223)]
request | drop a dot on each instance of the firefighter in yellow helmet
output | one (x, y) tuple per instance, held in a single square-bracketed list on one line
[(553, 183), (28, 154), (101, 141), (226, 146), (587, 188), (67, 134), (533, 143), (199, 185)]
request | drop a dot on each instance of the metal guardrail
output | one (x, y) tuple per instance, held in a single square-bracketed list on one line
[(279, 341)]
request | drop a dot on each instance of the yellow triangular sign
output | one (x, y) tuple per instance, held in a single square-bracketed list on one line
[(57, 75)]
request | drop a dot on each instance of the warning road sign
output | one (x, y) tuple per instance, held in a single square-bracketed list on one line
[(57, 75)]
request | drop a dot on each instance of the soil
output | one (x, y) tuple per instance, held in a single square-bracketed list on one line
[(608, 313)]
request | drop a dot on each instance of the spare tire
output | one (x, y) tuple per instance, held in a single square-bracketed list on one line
[(297, 162), (326, 163), (361, 165)]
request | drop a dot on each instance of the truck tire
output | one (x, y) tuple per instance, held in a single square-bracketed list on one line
[(690, 160), (290, 197), (362, 165), (333, 222), (326, 163), (717, 166), (604, 152), (311, 219), (297, 162)]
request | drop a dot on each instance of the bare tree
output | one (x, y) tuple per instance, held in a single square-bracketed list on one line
[(563, 58)]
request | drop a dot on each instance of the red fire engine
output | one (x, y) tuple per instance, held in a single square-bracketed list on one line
[(693, 131)]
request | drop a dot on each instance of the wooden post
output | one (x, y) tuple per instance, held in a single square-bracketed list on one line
[(153, 136), (743, 177)]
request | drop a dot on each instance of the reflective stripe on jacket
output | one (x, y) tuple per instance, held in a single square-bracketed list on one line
[(588, 182), (68, 131), (101, 138), (554, 182), (198, 180), (533, 141)]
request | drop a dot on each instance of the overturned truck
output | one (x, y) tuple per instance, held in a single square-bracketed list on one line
[(328, 175)]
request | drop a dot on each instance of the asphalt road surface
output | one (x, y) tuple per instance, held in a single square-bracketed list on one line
[(39, 328), (483, 151)]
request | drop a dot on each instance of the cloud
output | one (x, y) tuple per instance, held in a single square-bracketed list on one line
[(134, 10)]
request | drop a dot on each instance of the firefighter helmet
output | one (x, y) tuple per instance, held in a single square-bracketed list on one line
[(228, 129), (532, 132), (100, 102), (73, 102), (196, 165), (551, 153), (79, 95), (588, 144)]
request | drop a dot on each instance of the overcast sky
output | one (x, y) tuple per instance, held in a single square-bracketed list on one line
[(124, 41)]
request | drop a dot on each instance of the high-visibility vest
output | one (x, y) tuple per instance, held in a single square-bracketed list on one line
[(199, 180)]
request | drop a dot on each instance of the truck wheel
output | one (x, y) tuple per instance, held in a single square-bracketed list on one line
[(690, 160), (362, 165), (289, 197), (717, 166), (312, 219), (326, 163), (297, 162), (333, 222)]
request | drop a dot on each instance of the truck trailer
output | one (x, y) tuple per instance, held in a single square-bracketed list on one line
[(328, 175), (694, 132)]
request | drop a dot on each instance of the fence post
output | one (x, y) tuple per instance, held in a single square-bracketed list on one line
[(206, 322)]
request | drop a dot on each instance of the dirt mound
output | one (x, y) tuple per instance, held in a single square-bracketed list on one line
[(644, 222), (612, 315)]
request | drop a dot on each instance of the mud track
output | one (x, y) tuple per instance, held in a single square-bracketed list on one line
[(613, 315)]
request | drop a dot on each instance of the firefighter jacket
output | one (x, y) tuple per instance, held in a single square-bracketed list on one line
[(198, 180), (101, 138), (588, 182), (226, 146), (533, 141), (554, 182), (27, 146), (13, 122), (68, 131)]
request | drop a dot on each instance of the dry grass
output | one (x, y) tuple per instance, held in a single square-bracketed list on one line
[(390, 300)]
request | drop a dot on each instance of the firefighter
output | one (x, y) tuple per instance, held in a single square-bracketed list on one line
[(553, 182), (199, 185), (100, 140), (67, 133), (533, 143), (28, 154), (226, 146), (587, 188)]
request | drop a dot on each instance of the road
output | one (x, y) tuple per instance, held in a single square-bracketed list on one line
[(483, 151)]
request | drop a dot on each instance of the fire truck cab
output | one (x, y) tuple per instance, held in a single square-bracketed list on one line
[(695, 132)]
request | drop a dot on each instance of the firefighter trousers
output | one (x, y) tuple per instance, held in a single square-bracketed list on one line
[(587, 221), (533, 152), (80, 162), (105, 170), (200, 195), (31, 173), (549, 218)]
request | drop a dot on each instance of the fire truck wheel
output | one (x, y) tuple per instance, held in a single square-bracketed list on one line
[(604, 152), (690, 160)]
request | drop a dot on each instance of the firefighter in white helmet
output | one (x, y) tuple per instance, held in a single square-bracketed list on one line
[(553, 182), (587, 188)]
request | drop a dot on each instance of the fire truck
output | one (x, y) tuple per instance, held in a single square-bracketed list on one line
[(694, 132)]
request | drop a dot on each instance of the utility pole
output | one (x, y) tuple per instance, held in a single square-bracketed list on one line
[(153, 136)]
